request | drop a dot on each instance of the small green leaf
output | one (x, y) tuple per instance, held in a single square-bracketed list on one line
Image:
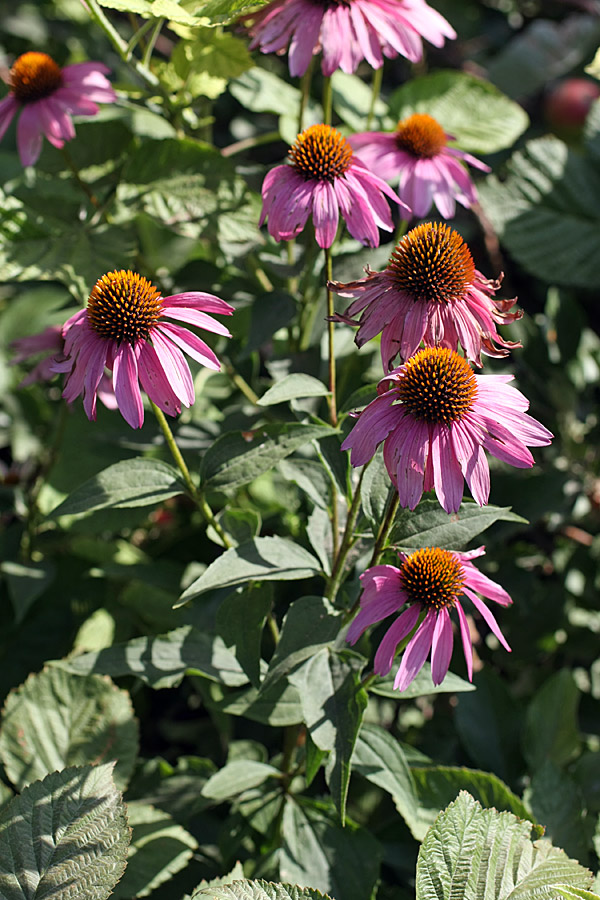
[(239, 457), (422, 685), (291, 387), (551, 730), (159, 849), (236, 777), (26, 583), (475, 852), (375, 489), (64, 837), (132, 482), (279, 705), (163, 660), (473, 111), (430, 526), (56, 719), (263, 559)]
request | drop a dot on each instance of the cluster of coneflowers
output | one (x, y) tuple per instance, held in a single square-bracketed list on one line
[(434, 415)]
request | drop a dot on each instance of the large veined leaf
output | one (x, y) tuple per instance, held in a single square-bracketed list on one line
[(262, 559), (478, 853), (239, 457), (163, 659), (56, 719), (431, 526), (131, 482), (547, 212), (422, 685), (477, 114), (259, 890), (159, 849), (64, 837)]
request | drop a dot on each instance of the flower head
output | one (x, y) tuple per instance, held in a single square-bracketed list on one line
[(428, 584), (417, 157), (436, 418), (325, 178), (346, 31), (47, 96), (429, 291), (127, 329)]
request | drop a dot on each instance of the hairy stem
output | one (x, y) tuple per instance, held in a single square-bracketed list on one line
[(195, 492), (337, 571)]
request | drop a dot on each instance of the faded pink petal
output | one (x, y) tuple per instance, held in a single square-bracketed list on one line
[(416, 653), (441, 647)]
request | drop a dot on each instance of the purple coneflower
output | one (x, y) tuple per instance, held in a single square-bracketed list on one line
[(428, 584), (325, 178), (417, 157), (48, 96), (429, 291), (346, 31), (126, 328), (436, 418)]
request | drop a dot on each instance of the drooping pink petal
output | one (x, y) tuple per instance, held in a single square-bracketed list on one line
[(447, 476), (193, 346), (8, 108), (175, 367), (416, 652), (402, 627), (441, 646), (487, 615), (155, 382), (325, 212), (472, 461), (126, 385), (465, 636), (198, 300), (374, 424), (29, 135), (479, 582)]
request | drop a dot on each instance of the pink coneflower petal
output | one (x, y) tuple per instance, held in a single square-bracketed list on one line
[(403, 626), (430, 291), (124, 329), (416, 653), (324, 179), (428, 584), (47, 96), (428, 413), (346, 33)]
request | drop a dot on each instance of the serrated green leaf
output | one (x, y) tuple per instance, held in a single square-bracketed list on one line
[(551, 730), (159, 849), (236, 777), (221, 12), (291, 387), (473, 111), (475, 852), (430, 526), (379, 758), (436, 786), (56, 719), (422, 685), (263, 559), (163, 660), (64, 837), (206, 64), (237, 458), (130, 483), (546, 212), (259, 890)]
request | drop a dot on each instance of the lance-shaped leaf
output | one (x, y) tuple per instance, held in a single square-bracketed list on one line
[(64, 837), (291, 388), (241, 456), (430, 526), (56, 719), (472, 852), (132, 482), (262, 559)]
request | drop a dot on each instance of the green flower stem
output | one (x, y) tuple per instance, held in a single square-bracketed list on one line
[(152, 42), (250, 142), (195, 493), (305, 82), (138, 35), (119, 44), (386, 527), (75, 171), (331, 334), (337, 571), (327, 100), (376, 90), (241, 384)]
